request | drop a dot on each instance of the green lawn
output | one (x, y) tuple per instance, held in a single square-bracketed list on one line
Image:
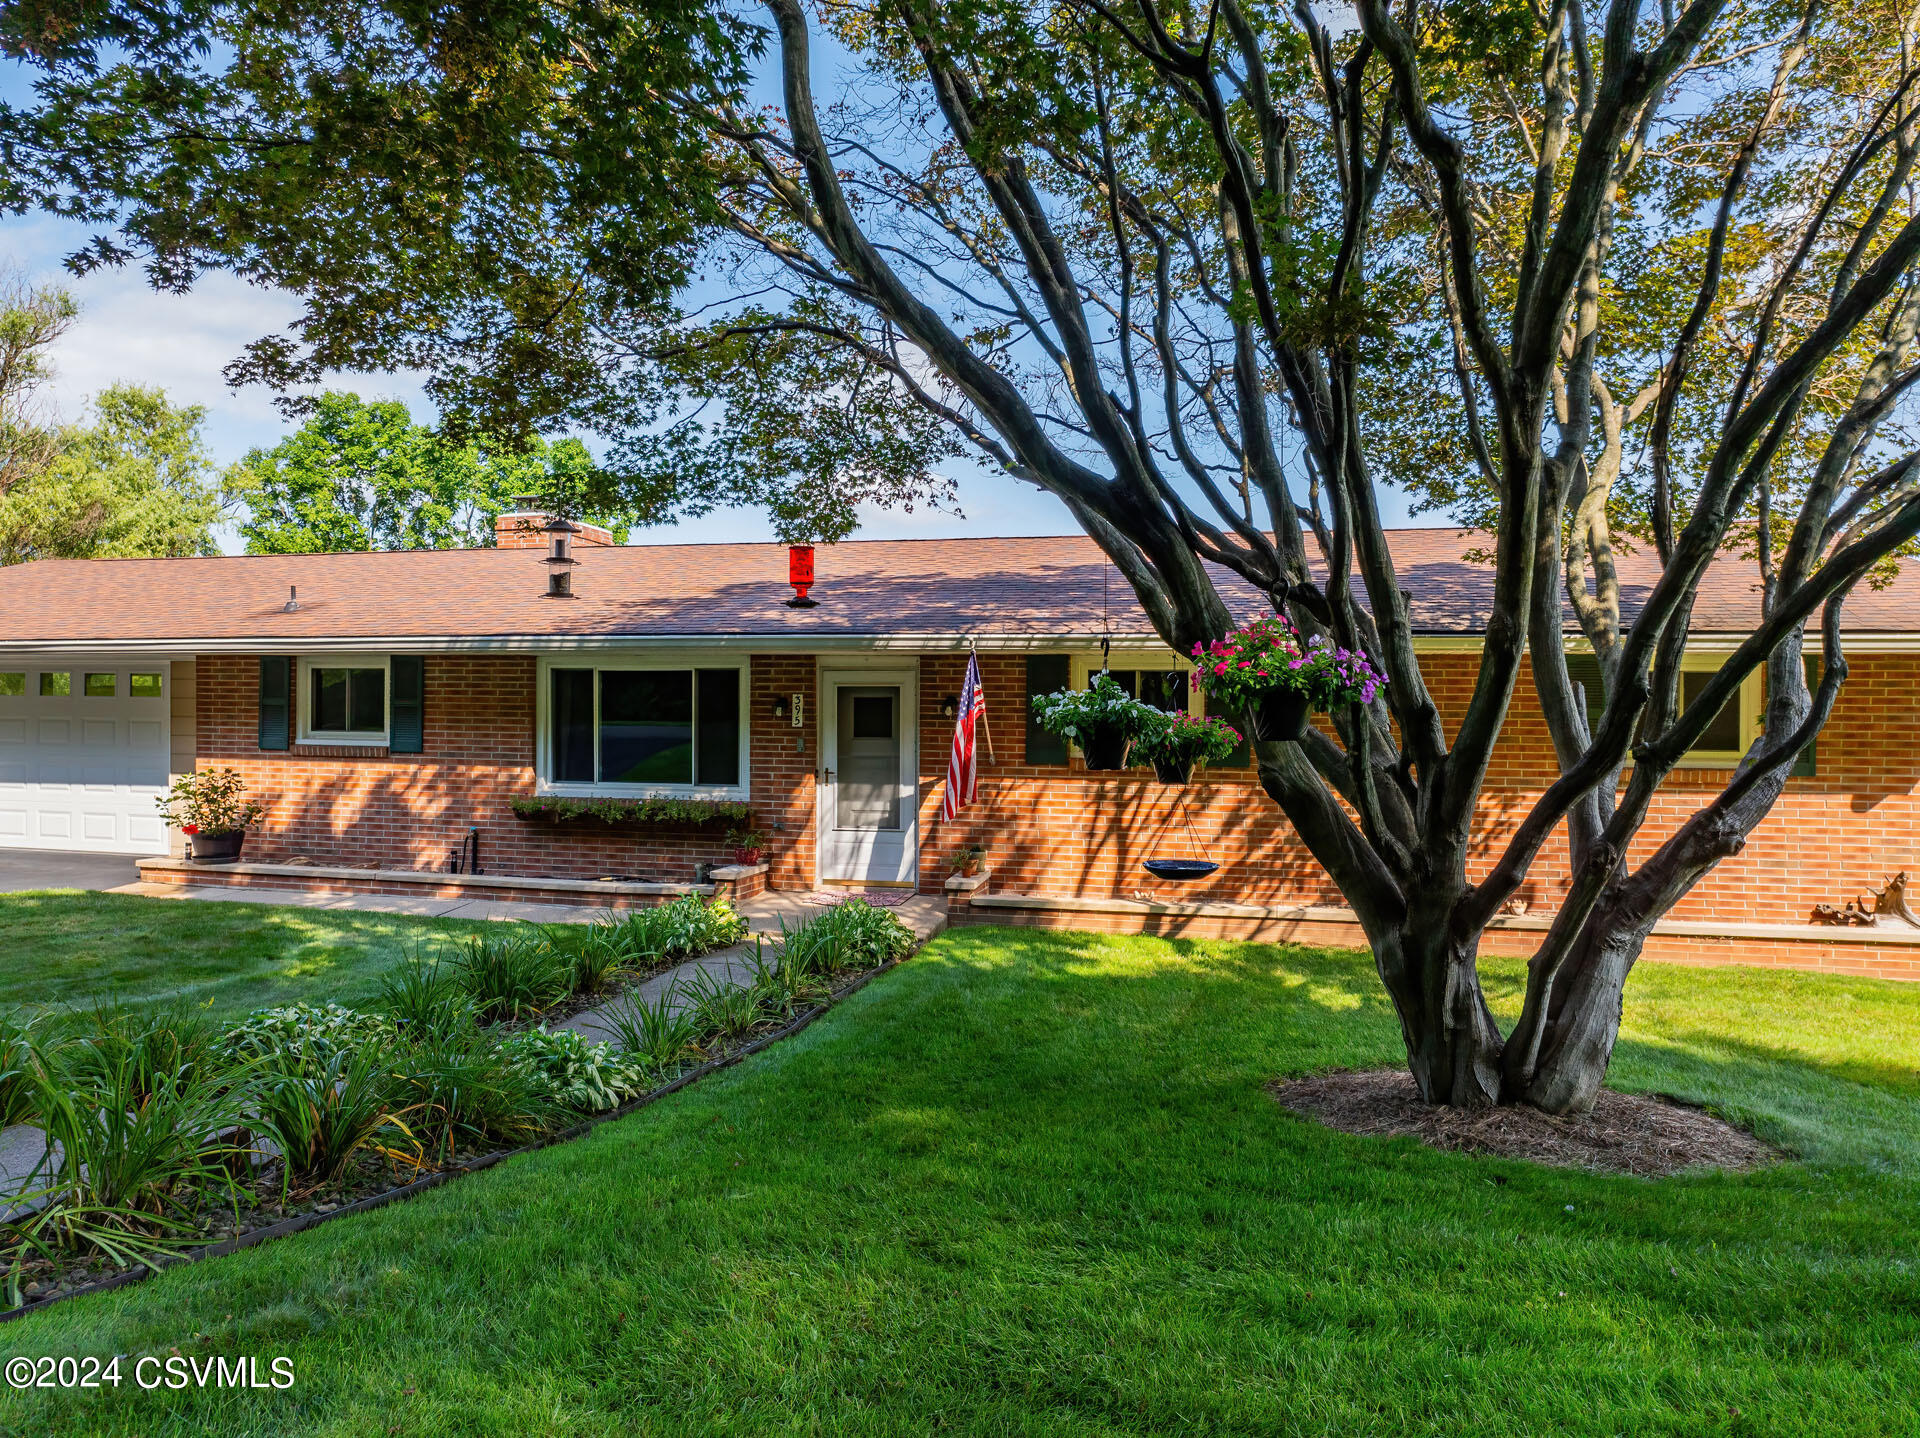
[(65, 947), (1030, 1183)]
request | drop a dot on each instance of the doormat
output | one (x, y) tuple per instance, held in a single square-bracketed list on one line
[(882, 898)]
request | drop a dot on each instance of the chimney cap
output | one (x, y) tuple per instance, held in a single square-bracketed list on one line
[(559, 524)]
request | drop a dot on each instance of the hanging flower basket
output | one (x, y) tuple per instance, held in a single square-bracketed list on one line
[(1172, 771), (1105, 746), (1177, 742), (1265, 671), (1280, 716), (1103, 719)]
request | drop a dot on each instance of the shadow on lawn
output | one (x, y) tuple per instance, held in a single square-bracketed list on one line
[(1280, 1010)]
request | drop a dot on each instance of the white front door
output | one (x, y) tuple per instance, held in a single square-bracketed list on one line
[(83, 755), (869, 793)]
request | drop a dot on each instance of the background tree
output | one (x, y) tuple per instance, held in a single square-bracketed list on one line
[(136, 482), (1210, 275), (32, 318), (363, 475)]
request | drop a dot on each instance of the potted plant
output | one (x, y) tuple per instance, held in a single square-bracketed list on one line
[(966, 863), (1103, 719), (1265, 671), (210, 807), (1180, 741), (749, 845)]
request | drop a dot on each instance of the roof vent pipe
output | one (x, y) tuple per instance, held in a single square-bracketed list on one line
[(293, 600)]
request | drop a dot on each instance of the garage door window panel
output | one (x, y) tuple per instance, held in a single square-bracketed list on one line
[(100, 686)]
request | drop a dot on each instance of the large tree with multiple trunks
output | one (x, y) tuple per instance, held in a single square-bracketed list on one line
[(1593, 275)]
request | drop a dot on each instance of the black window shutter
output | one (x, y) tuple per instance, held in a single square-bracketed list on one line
[(407, 726), (1806, 765), (276, 701), (1584, 670), (1046, 674)]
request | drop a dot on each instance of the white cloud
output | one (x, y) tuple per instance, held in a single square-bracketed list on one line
[(128, 332)]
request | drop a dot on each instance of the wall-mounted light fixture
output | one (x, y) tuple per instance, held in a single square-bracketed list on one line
[(950, 707), (780, 710)]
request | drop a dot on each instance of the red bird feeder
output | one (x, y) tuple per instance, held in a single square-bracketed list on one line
[(800, 576)]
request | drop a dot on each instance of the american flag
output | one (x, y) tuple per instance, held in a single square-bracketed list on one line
[(962, 772)]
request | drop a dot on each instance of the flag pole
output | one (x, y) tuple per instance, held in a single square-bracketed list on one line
[(973, 652)]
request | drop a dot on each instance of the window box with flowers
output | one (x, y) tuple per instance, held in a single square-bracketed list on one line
[(1265, 671)]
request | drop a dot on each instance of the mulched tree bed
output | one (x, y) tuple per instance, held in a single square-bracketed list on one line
[(1643, 1134), (371, 1183)]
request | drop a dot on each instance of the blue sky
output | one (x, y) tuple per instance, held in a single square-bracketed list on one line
[(129, 333)]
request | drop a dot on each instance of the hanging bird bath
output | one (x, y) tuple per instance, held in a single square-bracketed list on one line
[(1179, 870)]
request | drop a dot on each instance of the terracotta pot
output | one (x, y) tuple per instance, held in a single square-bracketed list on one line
[(970, 867), (1279, 715), (1173, 771), (217, 848), (1105, 747)]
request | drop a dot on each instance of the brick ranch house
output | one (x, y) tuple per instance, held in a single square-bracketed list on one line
[(390, 708)]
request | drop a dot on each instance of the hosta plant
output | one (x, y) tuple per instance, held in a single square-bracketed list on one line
[(305, 1036), (575, 1072)]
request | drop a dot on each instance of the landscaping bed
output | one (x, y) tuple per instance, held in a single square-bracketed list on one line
[(1645, 1134), (178, 1140)]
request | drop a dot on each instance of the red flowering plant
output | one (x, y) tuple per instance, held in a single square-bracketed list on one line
[(1183, 739), (211, 802), (1267, 653)]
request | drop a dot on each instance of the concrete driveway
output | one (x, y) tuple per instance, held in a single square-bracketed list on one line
[(47, 869)]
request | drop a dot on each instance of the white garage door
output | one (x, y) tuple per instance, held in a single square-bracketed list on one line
[(83, 755)]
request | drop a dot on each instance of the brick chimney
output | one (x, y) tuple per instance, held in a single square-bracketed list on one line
[(527, 529)]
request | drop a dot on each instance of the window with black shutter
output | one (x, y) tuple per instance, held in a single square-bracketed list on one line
[(276, 701), (1046, 674)]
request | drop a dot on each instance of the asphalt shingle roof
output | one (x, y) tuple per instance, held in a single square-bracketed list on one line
[(1013, 587)]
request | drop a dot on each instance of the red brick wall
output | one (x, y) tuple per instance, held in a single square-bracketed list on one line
[(1050, 830), (1065, 831), (364, 806)]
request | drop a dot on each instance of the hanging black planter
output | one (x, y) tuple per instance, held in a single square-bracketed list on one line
[(1105, 746), (1173, 771), (1279, 715)]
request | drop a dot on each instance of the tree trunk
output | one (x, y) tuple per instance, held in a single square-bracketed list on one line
[(1582, 1022), (1453, 1045)]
